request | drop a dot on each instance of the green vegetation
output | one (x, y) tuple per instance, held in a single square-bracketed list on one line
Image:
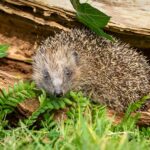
[(86, 125), (3, 50), (91, 17)]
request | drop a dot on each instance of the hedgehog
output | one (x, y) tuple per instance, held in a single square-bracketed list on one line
[(109, 73)]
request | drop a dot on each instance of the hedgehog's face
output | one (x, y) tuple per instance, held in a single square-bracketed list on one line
[(57, 72)]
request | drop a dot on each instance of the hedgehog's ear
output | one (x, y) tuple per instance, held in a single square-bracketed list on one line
[(76, 57)]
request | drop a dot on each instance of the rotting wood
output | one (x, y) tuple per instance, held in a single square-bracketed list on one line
[(144, 118), (60, 14), (11, 72), (27, 110)]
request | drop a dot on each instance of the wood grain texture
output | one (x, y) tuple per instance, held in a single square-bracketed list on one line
[(127, 18)]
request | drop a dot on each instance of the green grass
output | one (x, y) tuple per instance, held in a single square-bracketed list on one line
[(83, 134), (86, 127)]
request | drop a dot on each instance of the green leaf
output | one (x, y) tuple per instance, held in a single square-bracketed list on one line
[(62, 104), (135, 106), (50, 106), (13, 100), (67, 101), (3, 50), (4, 92), (55, 104), (91, 17)]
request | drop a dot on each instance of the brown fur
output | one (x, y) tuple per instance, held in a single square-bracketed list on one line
[(112, 73)]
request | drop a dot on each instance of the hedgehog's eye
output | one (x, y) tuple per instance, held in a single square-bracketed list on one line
[(46, 75), (76, 57), (68, 72)]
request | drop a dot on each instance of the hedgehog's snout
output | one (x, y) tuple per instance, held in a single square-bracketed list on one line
[(58, 89), (58, 93)]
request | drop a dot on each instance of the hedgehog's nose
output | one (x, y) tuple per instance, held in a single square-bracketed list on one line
[(58, 93)]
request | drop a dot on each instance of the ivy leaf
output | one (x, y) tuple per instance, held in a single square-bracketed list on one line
[(91, 17), (3, 50)]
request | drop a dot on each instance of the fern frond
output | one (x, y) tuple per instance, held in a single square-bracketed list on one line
[(9, 99)]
